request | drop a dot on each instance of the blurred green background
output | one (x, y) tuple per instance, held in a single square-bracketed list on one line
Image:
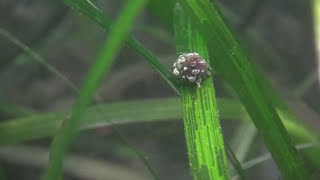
[(278, 35)]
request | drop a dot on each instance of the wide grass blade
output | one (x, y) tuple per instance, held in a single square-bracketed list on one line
[(206, 152), (102, 64), (232, 64), (152, 110), (46, 125), (87, 8)]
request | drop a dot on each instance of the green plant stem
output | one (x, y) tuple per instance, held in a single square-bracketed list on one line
[(102, 64), (206, 152), (231, 62)]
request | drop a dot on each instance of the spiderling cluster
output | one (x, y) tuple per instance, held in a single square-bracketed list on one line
[(190, 67)]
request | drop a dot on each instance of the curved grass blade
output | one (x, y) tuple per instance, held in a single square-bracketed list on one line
[(206, 152), (230, 62), (102, 64), (91, 11)]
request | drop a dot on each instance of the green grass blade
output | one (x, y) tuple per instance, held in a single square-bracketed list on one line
[(91, 11), (35, 56), (206, 152), (230, 62), (102, 64), (46, 125)]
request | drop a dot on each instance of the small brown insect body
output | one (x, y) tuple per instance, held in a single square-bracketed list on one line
[(190, 67)]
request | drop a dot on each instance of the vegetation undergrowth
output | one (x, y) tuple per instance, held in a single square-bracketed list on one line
[(206, 33)]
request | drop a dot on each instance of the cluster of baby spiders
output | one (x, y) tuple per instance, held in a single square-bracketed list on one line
[(192, 68)]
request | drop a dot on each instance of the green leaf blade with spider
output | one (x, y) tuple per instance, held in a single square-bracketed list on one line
[(206, 152)]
